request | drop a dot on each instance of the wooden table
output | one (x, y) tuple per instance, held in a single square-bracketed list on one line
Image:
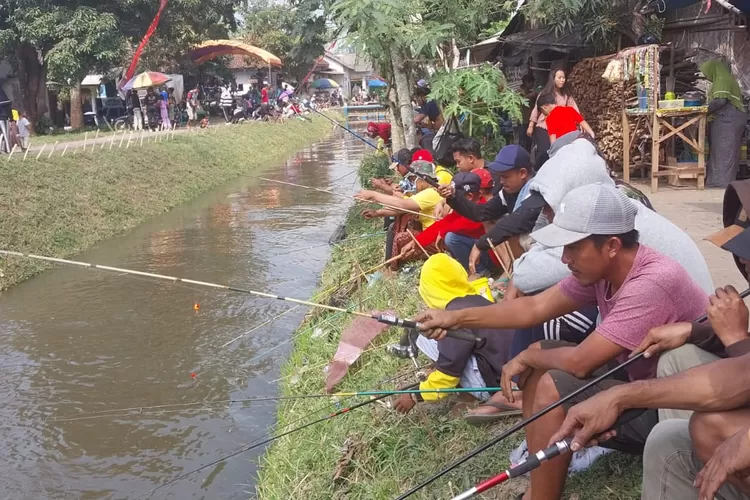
[(662, 129)]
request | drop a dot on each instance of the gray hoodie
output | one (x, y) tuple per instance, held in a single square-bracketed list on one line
[(577, 164)]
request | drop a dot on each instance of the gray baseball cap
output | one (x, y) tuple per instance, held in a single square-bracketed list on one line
[(587, 210)]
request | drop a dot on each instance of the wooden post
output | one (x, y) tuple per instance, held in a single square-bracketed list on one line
[(64, 150), (121, 139), (702, 150), (625, 146), (12, 151), (96, 136), (141, 137), (174, 127), (655, 142), (85, 139), (26, 153), (40, 151), (53, 149), (129, 139)]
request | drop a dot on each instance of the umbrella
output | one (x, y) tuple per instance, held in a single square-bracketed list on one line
[(147, 79), (324, 83), (377, 83)]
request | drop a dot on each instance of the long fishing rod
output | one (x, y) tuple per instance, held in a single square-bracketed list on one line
[(534, 461), (432, 181), (350, 394), (349, 197), (386, 319), (535, 417), (249, 447)]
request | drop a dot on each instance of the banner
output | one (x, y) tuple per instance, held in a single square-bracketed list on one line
[(150, 31)]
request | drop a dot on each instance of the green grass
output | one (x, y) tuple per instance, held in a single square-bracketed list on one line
[(391, 452), (63, 205)]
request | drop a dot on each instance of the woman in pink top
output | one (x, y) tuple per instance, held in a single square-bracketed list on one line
[(557, 85)]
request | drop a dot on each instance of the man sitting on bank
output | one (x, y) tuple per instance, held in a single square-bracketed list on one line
[(511, 169), (635, 288), (467, 153), (444, 284), (442, 233), (707, 456)]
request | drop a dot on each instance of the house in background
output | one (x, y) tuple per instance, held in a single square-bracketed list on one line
[(345, 67), (247, 72)]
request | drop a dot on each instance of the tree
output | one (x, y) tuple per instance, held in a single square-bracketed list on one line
[(600, 22), (295, 32), (69, 39), (392, 33)]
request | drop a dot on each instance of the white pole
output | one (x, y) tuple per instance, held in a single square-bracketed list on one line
[(85, 138), (114, 136), (129, 139), (40, 151), (64, 150), (141, 137), (96, 136), (122, 139), (27, 151), (53, 149), (174, 127), (12, 151)]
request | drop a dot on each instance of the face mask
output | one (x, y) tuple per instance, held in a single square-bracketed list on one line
[(407, 186)]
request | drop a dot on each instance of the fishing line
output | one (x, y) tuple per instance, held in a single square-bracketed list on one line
[(249, 447), (229, 402), (387, 319)]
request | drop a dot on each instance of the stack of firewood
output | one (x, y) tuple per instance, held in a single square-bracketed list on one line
[(601, 101)]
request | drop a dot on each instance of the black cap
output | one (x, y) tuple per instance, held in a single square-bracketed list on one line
[(467, 182), (403, 156)]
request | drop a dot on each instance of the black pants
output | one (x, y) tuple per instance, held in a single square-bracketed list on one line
[(541, 139)]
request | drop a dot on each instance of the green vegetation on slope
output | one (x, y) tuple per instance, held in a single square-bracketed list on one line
[(391, 452), (63, 205)]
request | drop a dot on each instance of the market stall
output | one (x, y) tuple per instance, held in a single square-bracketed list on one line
[(663, 119)]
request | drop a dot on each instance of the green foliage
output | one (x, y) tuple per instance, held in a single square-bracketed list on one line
[(295, 32), (476, 94), (599, 21), (374, 166)]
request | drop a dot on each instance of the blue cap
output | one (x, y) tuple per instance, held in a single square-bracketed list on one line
[(510, 157)]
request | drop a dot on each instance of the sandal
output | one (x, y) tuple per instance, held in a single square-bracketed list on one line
[(482, 418)]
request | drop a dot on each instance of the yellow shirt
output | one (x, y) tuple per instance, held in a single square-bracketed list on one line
[(443, 175), (427, 200)]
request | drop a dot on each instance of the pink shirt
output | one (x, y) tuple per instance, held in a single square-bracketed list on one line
[(656, 291), (539, 118)]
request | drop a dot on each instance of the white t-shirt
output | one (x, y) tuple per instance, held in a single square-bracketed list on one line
[(23, 127)]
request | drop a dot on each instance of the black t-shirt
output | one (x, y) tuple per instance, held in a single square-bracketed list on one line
[(455, 354), (431, 109)]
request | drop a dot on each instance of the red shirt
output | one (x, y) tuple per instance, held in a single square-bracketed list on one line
[(563, 120), (383, 130), (264, 96), (452, 223)]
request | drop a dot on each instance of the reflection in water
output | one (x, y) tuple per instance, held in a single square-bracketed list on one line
[(78, 341)]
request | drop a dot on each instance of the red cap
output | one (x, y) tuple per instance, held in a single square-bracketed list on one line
[(422, 155), (486, 177), (372, 127)]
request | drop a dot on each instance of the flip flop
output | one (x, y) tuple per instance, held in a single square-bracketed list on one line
[(481, 419)]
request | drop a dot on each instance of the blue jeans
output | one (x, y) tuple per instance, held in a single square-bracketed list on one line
[(460, 248)]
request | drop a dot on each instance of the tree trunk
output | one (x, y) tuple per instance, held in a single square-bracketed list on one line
[(76, 108), (397, 126), (32, 79), (403, 91)]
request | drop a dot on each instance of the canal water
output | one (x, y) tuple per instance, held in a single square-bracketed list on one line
[(78, 345)]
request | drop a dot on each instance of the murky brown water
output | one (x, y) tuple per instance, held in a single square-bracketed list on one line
[(75, 341)]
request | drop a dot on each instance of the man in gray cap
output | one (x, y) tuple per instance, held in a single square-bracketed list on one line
[(635, 288)]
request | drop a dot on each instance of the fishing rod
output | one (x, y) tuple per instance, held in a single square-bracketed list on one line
[(533, 418), (386, 319), (432, 181), (349, 197), (249, 447), (352, 394), (534, 461), (520, 425)]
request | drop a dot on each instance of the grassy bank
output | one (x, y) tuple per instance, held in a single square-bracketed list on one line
[(373, 452), (63, 205)]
